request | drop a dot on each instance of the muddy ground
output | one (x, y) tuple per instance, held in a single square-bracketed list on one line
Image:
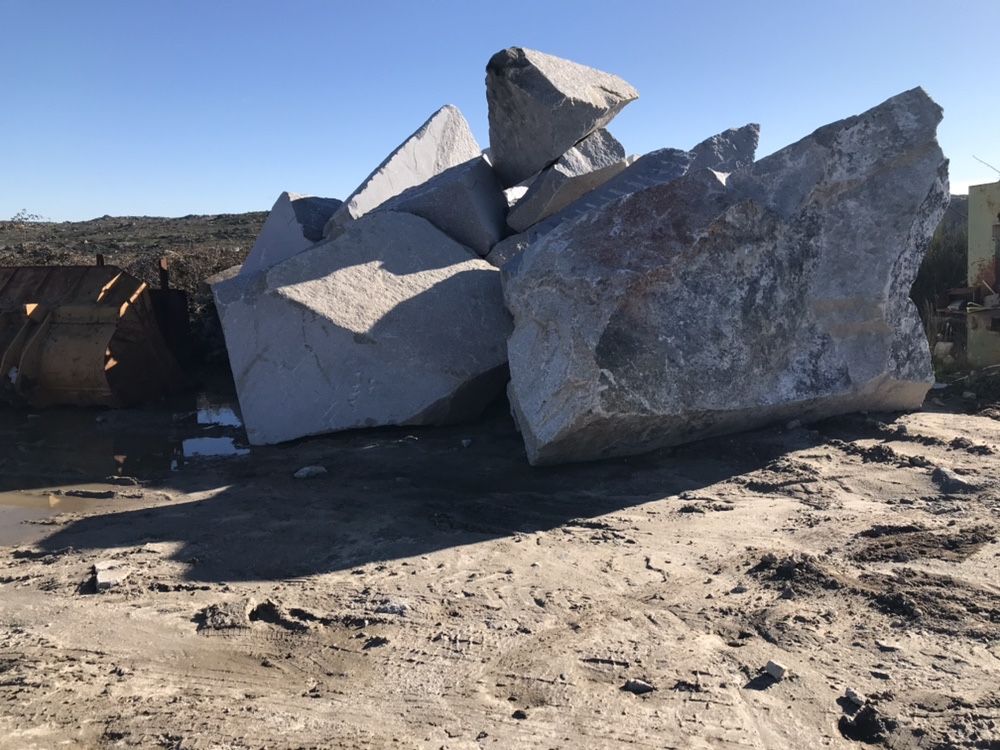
[(432, 590)]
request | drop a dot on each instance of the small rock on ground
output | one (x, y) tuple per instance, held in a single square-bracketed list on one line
[(951, 482), (639, 687), (109, 573), (776, 670)]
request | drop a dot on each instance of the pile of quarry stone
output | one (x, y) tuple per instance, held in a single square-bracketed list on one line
[(626, 303)]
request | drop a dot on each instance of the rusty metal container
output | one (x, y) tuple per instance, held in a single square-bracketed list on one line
[(81, 335)]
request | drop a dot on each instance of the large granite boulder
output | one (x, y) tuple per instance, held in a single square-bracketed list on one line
[(540, 106), (295, 223), (724, 152), (444, 141), (708, 305), (465, 202), (590, 163), (391, 323)]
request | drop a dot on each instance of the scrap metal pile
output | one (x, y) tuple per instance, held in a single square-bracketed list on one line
[(625, 303)]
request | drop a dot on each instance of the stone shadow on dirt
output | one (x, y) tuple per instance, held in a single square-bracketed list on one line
[(393, 493)]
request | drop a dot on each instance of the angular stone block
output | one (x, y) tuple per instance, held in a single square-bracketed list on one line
[(727, 151), (724, 152), (391, 323), (465, 202), (540, 106), (724, 304), (589, 164), (444, 141), (294, 224)]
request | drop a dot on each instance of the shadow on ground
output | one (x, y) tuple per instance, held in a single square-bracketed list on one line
[(394, 493)]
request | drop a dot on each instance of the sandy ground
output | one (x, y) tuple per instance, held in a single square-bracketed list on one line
[(429, 591)]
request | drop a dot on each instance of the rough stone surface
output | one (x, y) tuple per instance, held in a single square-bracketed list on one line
[(727, 151), (295, 223), (776, 670), (465, 202), (540, 106), (444, 141), (110, 573), (637, 686), (734, 148), (310, 472), (591, 162), (855, 697), (390, 323), (227, 273), (706, 305), (225, 615), (951, 483)]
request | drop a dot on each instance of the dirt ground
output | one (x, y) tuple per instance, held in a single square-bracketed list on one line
[(432, 590)]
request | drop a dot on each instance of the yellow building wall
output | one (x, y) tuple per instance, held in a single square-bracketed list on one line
[(983, 345)]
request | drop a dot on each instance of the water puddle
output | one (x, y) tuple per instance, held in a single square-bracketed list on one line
[(45, 454), (55, 500), (23, 512), (215, 414)]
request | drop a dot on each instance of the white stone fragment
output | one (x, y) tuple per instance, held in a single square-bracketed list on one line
[(110, 573)]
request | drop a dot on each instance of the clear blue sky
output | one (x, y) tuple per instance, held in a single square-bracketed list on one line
[(182, 106)]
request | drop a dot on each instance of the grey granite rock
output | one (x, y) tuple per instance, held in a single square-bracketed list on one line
[(465, 202), (723, 152), (444, 141), (709, 305), (728, 151), (391, 323), (294, 224), (540, 106), (589, 164)]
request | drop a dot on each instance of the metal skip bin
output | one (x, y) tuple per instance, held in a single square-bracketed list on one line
[(81, 335)]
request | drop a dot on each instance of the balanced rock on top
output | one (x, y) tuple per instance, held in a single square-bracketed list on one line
[(540, 106)]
